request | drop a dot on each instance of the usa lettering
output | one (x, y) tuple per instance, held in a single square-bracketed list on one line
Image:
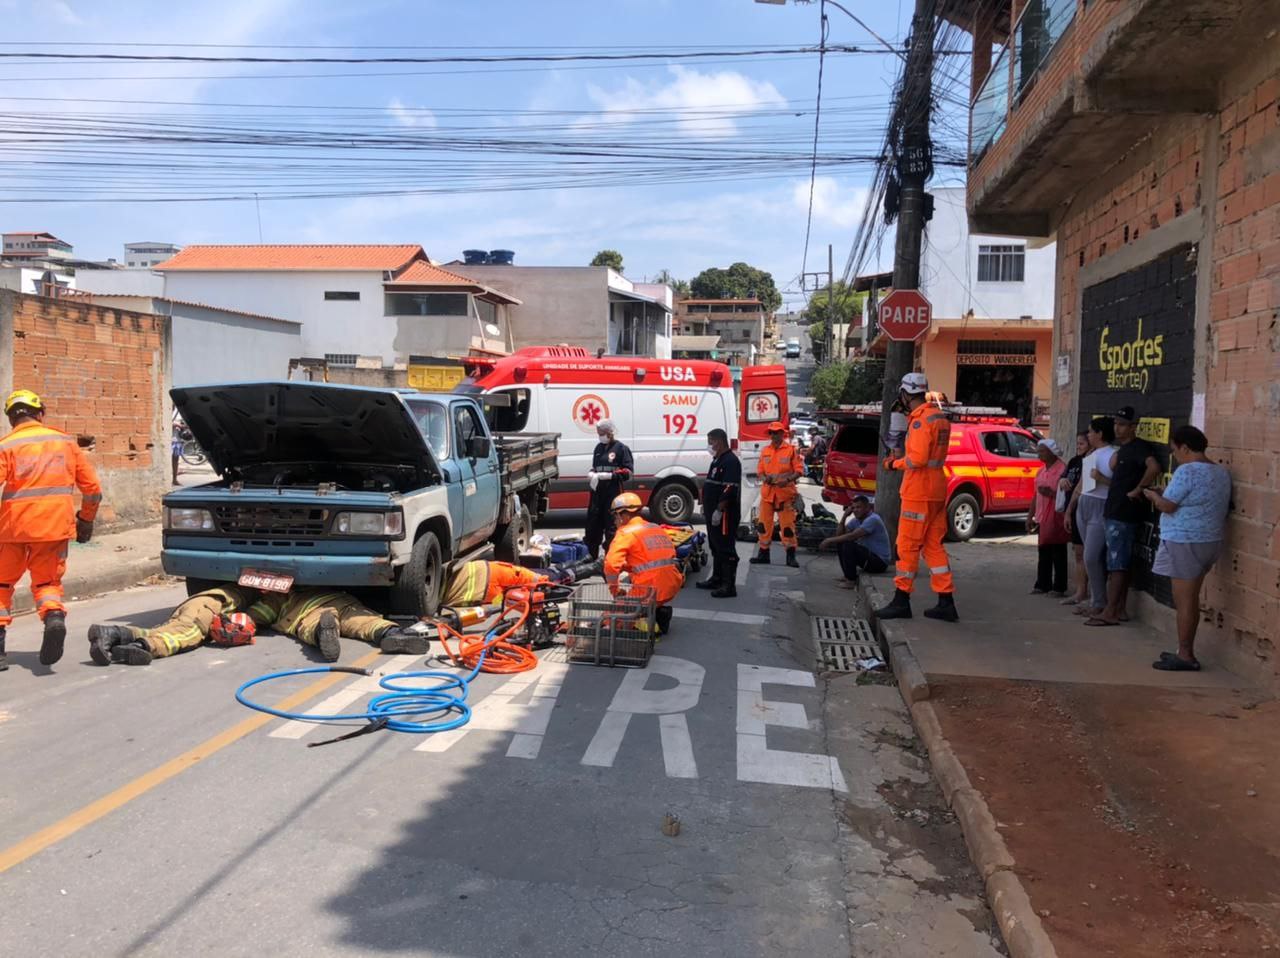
[(677, 374)]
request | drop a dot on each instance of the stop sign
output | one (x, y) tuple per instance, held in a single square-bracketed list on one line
[(905, 315)]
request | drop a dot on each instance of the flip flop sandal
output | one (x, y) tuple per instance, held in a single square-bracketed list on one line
[(1086, 611), (1174, 655), (1175, 664), (1071, 600), (1098, 623)]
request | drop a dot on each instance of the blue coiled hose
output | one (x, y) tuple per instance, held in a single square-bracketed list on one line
[(392, 709)]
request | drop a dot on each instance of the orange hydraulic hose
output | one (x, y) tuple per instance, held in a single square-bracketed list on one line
[(503, 657)]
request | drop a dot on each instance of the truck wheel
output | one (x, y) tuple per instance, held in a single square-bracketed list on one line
[(963, 516), (671, 503), (514, 540), (196, 586), (420, 582)]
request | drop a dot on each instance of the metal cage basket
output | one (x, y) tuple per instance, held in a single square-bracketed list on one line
[(603, 629)]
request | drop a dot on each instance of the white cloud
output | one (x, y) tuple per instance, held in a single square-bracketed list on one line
[(707, 103), (62, 11), (837, 205), (415, 116)]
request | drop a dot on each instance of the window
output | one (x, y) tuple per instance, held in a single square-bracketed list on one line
[(996, 347), (433, 419), (1002, 264), (340, 359), (858, 440), (467, 426), (427, 304), (348, 294), (1024, 447), (994, 443), (511, 417), (763, 407)]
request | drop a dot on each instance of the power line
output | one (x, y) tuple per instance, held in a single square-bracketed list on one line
[(817, 120)]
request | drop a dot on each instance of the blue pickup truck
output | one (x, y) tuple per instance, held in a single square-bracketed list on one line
[(350, 487)]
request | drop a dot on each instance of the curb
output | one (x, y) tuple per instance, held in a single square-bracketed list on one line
[(126, 573), (1020, 926)]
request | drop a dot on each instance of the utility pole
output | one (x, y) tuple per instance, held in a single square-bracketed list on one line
[(914, 164), (831, 307)]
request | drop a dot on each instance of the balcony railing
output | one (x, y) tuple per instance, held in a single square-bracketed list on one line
[(1014, 70)]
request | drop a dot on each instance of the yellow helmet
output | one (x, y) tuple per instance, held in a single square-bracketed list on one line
[(22, 397), (626, 502)]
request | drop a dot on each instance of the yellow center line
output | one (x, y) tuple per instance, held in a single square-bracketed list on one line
[(83, 817)]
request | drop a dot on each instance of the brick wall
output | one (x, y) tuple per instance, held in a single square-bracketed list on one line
[(103, 372)]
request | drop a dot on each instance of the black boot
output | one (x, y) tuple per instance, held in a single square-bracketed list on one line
[(4, 661), (103, 638), (898, 608), (945, 609), (728, 585), (716, 579), (761, 559), (133, 652), (662, 619), (327, 637), (791, 558), (404, 642), (55, 634)]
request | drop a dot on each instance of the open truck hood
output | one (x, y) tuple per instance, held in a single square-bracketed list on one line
[(249, 424)]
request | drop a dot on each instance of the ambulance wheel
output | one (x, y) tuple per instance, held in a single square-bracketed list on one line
[(196, 586), (672, 503), (420, 581), (963, 516)]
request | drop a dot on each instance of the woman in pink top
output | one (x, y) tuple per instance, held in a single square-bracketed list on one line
[(1051, 570)]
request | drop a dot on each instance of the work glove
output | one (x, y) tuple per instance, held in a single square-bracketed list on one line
[(593, 480), (84, 529), (716, 517)]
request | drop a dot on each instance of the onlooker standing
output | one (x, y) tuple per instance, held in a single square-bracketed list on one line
[(1134, 468), (611, 466), (1067, 487), (862, 545), (1194, 515), (1085, 511), (1052, 535), (722, 509)]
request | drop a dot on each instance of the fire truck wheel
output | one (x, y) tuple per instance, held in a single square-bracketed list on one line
[(420, 581), (671, 502), (963, 516)]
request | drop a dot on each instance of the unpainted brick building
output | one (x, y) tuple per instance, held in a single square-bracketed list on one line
[(103, 373), (1144, 137)]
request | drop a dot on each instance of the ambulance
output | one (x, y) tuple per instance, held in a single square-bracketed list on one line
[(662, 409)]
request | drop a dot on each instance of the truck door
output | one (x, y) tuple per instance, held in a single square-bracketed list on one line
[(1023, 446), (762, 399), (480, 479), (1008, 477)]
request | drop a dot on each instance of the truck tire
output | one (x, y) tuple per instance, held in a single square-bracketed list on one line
[(420, 581), (514, 539), (963, 516), (672, 503)]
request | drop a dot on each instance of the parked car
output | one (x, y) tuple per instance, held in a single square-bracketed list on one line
[(991, 465), (350, 487)]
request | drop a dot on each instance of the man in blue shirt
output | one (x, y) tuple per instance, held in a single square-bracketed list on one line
[(864, 543)]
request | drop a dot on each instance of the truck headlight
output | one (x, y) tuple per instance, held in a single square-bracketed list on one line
[(389, 524), (188, 520)]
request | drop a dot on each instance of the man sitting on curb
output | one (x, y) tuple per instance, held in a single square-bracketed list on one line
[(864, 545), (315, 616)]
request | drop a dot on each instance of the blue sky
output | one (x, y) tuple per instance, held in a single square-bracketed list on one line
[(683, 227)]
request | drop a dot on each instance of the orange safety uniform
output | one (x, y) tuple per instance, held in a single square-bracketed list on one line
[(644, 550), (780, 501), (40, 469), (483, 583), (923, 522)]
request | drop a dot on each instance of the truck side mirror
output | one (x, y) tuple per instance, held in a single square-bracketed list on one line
[(478, 447)]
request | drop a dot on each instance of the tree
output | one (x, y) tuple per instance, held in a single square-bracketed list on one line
[(848, 305), (827, 384), (679, 286), (608, 257), (739, 281), (817, 340), (847, 384)]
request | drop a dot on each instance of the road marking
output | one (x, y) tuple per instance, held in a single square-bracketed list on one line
[(759, 763), (498, 712), (741, 618), (632, 698), (337, 703), (83, 817)]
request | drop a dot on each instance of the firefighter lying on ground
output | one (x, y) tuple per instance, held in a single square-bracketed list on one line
[(483, 583), (644, 551), (317, 617)]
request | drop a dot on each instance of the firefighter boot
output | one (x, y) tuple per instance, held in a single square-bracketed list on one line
[(662, 619), (945, 609), (132, 652), (728, 585), (55, 634), (716, 579), (791, 558), (898, 608), (327, 637), (103, 638), (4, 660), (761, 559), (404, 642)]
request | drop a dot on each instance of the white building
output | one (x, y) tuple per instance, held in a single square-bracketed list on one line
[(384, 301), (147, 254)]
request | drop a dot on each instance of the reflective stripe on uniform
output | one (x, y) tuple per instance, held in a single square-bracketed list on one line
[(917, 516), (655, 564), (935, 417), (96, 497), (262, 612), (936, 463), (905, 574), (31, 440), (939, 569), (37, 493)]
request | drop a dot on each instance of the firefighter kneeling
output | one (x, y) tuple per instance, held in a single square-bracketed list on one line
[(644, 551), (923, 521)]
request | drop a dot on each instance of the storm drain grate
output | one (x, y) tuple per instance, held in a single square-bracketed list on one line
[(842, 642)]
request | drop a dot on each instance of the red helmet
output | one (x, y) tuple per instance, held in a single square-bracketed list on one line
[(234, 629)]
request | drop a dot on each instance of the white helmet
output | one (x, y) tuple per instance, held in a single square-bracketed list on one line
[(914, 384)]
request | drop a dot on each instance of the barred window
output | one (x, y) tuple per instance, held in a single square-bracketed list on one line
[(1002, 264), (347, 294), (340, 359)]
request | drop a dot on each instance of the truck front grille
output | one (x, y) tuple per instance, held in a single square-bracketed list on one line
[(271, 520)]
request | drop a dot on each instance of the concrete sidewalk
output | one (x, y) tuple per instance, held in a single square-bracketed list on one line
[(1086, 781), (109, 562)]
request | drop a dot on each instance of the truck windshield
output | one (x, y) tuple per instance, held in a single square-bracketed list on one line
[(508, 416), (433, 419)]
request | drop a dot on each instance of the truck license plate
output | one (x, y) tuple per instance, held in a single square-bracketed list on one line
[(265, 581)]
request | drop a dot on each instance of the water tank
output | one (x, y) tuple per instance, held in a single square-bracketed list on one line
[(502, 257), (475, 257)]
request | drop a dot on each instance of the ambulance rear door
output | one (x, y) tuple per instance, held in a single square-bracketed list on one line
[(762, 399)]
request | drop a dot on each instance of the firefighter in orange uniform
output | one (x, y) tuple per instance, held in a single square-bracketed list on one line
[(923, 521), (781, 467), (40, 469), (644, 551)]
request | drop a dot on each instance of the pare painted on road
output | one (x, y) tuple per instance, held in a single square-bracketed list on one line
[(634, 703)]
